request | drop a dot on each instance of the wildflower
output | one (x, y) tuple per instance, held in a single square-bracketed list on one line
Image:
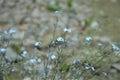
[(60, 39), (24, 53), (37, 44), (32, 60), (58, 12), (104, 73), (52, 56), (92, 68), (39, 60), (75, 61), (87, 66), (67, 30), (114, 47), (88, 38), (3, 50), (11, 31), (13, 70)]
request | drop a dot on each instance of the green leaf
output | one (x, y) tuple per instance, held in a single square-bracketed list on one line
[(64, 67), (69, 3), (16, 47), (52, 9)]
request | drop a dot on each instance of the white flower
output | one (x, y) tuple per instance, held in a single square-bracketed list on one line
[(93, 68), (24, 53), (52, 56), (58, 12), (67, 30), (33, 60), (60, 39), (11, 31), (3, 50), (88, 38), (75, 61), (13, 70), (39, 60), (36, 44), (87, 66), (104, 73), (114, 47)]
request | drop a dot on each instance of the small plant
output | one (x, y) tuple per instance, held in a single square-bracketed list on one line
[(59, 60)]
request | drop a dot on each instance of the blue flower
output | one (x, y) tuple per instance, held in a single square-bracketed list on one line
[(37, 44), (87, 66), (33, 60), (3, 50), (52, 56), (60, 39), (114, 47), (24, 53), (11, 31), (39, 60), (92, 68), (67, 30), (88, 38), (104, 73), (75, 61)]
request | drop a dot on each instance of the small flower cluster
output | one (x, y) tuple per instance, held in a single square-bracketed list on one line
[(52, 56), (35, 59), (88, 38), (115, 47), (88, 66), (67, 30), (10, 31), (37, 44), (5, 38), (24, 54), (76, 61), (58, 41), (3, 50)]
